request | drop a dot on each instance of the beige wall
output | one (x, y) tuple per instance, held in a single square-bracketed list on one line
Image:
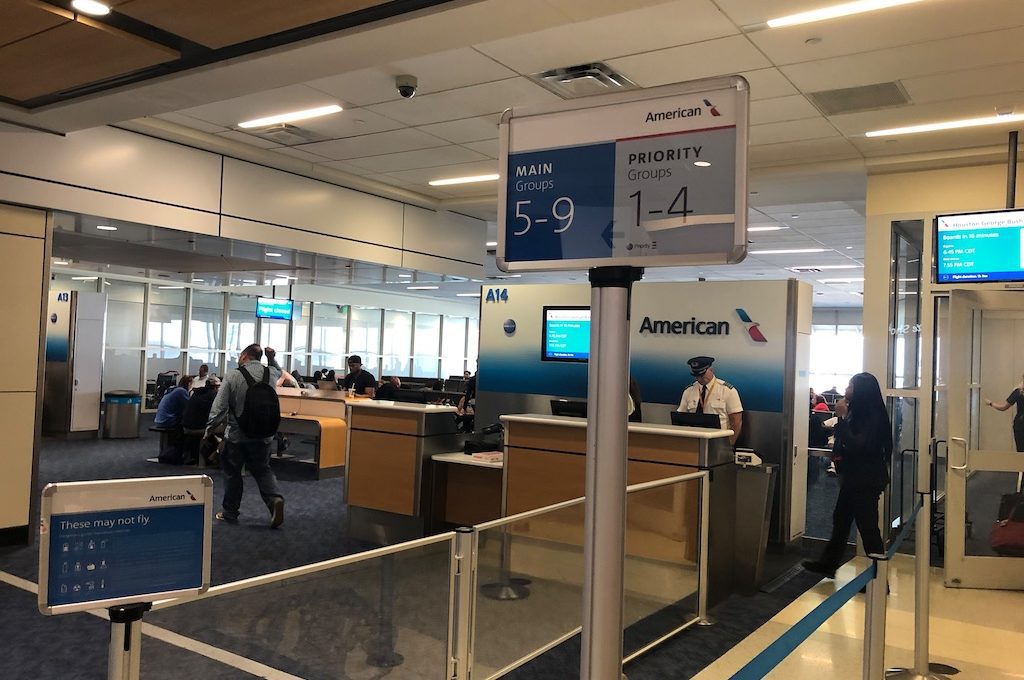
[(24, 268)]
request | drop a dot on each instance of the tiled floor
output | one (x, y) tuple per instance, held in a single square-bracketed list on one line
[(980, 632)]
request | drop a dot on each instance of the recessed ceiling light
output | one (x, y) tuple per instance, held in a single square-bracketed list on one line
[(467, 295), (249, 281), (463, 180), (405, 276), (836, 11), (84, 278), (61, 262), (291, 117), (789, 251), (849, 247), (197, 280), (421, 287), (96, 9), (702, 164), (273, 254), (105, 227), (948, 125), (170, 287), (766, 228), (795, 217), (492, 244)]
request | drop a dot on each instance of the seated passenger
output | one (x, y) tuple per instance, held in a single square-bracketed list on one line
[(388, 388), (172, 405), (362, 382), (193, 420)]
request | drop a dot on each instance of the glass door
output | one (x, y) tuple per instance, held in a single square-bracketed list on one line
[(984, 364)]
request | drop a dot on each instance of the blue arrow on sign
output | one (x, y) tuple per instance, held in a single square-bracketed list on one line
[(607, 235)]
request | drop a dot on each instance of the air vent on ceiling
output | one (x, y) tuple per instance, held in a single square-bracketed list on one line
[(286, 134), (583, 80), (864, 98)]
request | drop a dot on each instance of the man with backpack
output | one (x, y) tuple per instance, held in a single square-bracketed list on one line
[(248, 402)]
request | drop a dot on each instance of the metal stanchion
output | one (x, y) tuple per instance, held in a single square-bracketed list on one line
[(462, 606), (605, 505), (506, 587), (702, 569), (125, 653), (382, 653), (874, 622)]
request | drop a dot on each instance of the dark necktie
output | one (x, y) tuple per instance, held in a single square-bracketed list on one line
[(703, 398)]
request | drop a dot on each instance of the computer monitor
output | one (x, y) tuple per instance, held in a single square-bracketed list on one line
[(708, 420), (564, 407), (326, 385)]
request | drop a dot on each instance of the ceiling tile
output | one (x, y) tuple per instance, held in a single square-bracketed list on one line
[(802, 151), (724, 56), (634, 32), (246, 138), (466, 129), (231, 112), (780, 109), (344, 166), (20, 20), (856, 124), (423, 158), (424, 175), (300, 154), (476, 100), (768, 83), (190, 122), (395, 141), (969, 83), (791, 131), (488, 147)]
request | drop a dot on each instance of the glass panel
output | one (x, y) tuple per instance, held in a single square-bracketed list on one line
[(205, 326), (472, 344), (300, 329), (397, 343), (157, 362), (241, 326), (453, 346), (822, 492), (365, 340), (329, 337), (546, 551), (426, 346), (299, 366), (836, 354), (125, 308), (903, 413), (213, 360), (66, 282), (985, 492), (166, 317), (355, 621), (661, 568), (905, 304), (122, 369)]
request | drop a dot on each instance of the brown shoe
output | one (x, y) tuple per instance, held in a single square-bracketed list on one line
[(277, 513)]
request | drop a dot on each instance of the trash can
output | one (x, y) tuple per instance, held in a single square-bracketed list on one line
[(755, 486), (122, 414)]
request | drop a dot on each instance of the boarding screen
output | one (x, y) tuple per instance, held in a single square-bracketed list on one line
[(979, 247)]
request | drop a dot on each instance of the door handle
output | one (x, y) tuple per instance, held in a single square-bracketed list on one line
[(962, 441)]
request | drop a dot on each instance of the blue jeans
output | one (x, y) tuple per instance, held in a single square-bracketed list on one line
[(254, 455)]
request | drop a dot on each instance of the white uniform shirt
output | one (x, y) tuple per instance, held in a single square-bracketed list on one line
[(722, 399)]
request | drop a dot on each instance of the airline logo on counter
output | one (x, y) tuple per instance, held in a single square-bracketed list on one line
[(752, 326)]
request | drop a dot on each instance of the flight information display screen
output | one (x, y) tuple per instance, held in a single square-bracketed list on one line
[(979, 247), (566, 334)]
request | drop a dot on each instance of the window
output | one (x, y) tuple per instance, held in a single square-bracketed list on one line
[(329, 336), (300, 339), (125, 312), (472, 344), (427, 346), (241, 326), (166, 317), (453, 346), (837, 354), (206, 324), (397, 343), (365, 340)]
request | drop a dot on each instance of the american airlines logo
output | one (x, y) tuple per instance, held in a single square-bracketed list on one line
[(752, 326)]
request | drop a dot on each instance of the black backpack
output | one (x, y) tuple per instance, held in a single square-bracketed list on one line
[(261, 413)]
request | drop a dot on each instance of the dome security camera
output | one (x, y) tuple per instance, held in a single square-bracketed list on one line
[(406, 86)]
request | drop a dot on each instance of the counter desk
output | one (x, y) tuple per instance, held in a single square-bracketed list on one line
[(320, 414), (385, 477)]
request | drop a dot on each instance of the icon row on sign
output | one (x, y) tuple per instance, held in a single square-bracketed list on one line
[(87, 586), (79, 546)]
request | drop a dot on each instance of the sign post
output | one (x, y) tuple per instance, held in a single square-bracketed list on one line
[(614, 184), (122, 544)]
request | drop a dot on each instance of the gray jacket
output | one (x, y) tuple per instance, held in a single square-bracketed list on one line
[(234, 388)]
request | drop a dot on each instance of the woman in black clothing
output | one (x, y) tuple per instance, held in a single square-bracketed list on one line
[(862, 453), (1016, 397)]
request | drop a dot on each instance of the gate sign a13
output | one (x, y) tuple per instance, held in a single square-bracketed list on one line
[(645, 178)]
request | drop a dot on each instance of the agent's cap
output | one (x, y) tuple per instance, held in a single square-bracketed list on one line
[(700, 364)]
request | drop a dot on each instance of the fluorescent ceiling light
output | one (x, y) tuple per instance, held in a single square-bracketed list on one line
[(197, 280), (105, 227), (948, 125), (462, 180), (491, 244), (170, 287), (291, 117), (836, 11), (405, 276), (84, 278), (96, 9), (421, 287), (273, 254), (788, 251), (467, 295), (702, 164), (61, 262), (765, 228), (249, 281)]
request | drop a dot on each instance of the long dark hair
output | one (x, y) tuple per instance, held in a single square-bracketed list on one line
[(867, 410)]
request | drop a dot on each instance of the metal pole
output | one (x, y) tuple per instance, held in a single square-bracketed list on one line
[(462, 596), (1011, 172), (874, 622), (124, 656), (702, 568), (605, 504)]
